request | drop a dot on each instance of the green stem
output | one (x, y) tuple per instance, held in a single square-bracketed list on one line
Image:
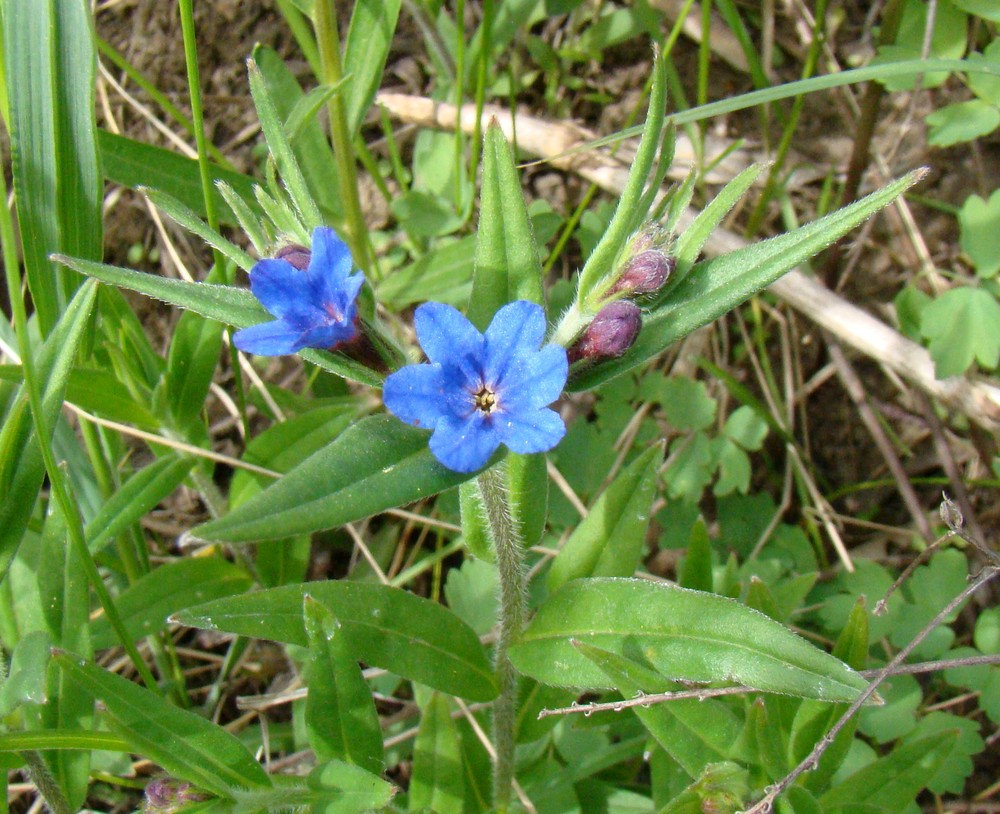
[(328, 40), (513, 603), (198, 120)]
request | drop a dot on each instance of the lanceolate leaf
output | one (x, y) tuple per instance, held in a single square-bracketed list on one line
[(21, 466), (228, 304), (716, 286), (608, 542), (341, 719), (507, 266), (137, 496), (682, 634), (50, 66), (184, 743), (376, 464), (387, 627), (437, 783), (146, 604), (133, 164)]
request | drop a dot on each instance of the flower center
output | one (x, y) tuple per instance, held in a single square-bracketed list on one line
[(485, 400)]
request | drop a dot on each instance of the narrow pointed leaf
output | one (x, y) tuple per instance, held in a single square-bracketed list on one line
[(608, 542), (376, 464), (134, 164), (387, 627), (341, 719), (21, 465), (369, 37), (182, 742), (146, 605), (437, 783), (507, 266), (139, 495), (682, 634), (693, 732), (50, 67)]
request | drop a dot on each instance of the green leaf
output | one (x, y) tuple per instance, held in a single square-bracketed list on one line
[(185, 744), (961, 122), (284, 156), (139, 495), (340, 788), (987, 86), (686, 403), (694, 732), (892, 782), (50, 65), (134, 164), (387, 627), (444, 275), (716, 286), (685, 635), (182, 215), (979, 223), (341, 720), (309, 144), (227, 304), (21, 465), (369, 37), (608, 542), (963, 325), (64, 595), (146, 605), (746, 428), (696, 571), (693, 239), (948, 40), (377, 464), (507, 266), (437, 783), (25, 680)]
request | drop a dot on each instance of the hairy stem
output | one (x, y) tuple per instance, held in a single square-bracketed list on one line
[(513, 595)]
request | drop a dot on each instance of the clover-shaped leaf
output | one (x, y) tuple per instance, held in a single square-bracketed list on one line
[(962, 325), (979, 221)]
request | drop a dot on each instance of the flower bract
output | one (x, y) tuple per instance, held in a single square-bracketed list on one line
[(481, 390), (313, 308)]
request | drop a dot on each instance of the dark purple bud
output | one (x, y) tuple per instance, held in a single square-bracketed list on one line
[(165, 795), (612, 332), (298, 256), (645, 273)]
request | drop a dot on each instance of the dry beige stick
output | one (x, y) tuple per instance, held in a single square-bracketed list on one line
[(979, 401)]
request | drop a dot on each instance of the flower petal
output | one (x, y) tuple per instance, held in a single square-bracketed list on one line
[(536, 380), (517, 329), (284, 291), (329, 265), (530, 431), (416, 394), (268, 339), (446, 335), (327, 335), (464, 446)]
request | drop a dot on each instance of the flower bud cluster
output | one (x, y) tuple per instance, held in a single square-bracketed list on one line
[(645, 270)]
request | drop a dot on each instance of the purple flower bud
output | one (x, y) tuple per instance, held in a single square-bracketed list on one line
[(165, 795), (612, 332), (645, 273), (298, 256)]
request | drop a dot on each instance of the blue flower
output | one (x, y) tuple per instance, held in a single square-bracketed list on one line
[(480, 391), (314, 308)]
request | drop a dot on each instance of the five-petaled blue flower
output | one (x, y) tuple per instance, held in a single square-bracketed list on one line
[(480, 391), (314, 308)]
